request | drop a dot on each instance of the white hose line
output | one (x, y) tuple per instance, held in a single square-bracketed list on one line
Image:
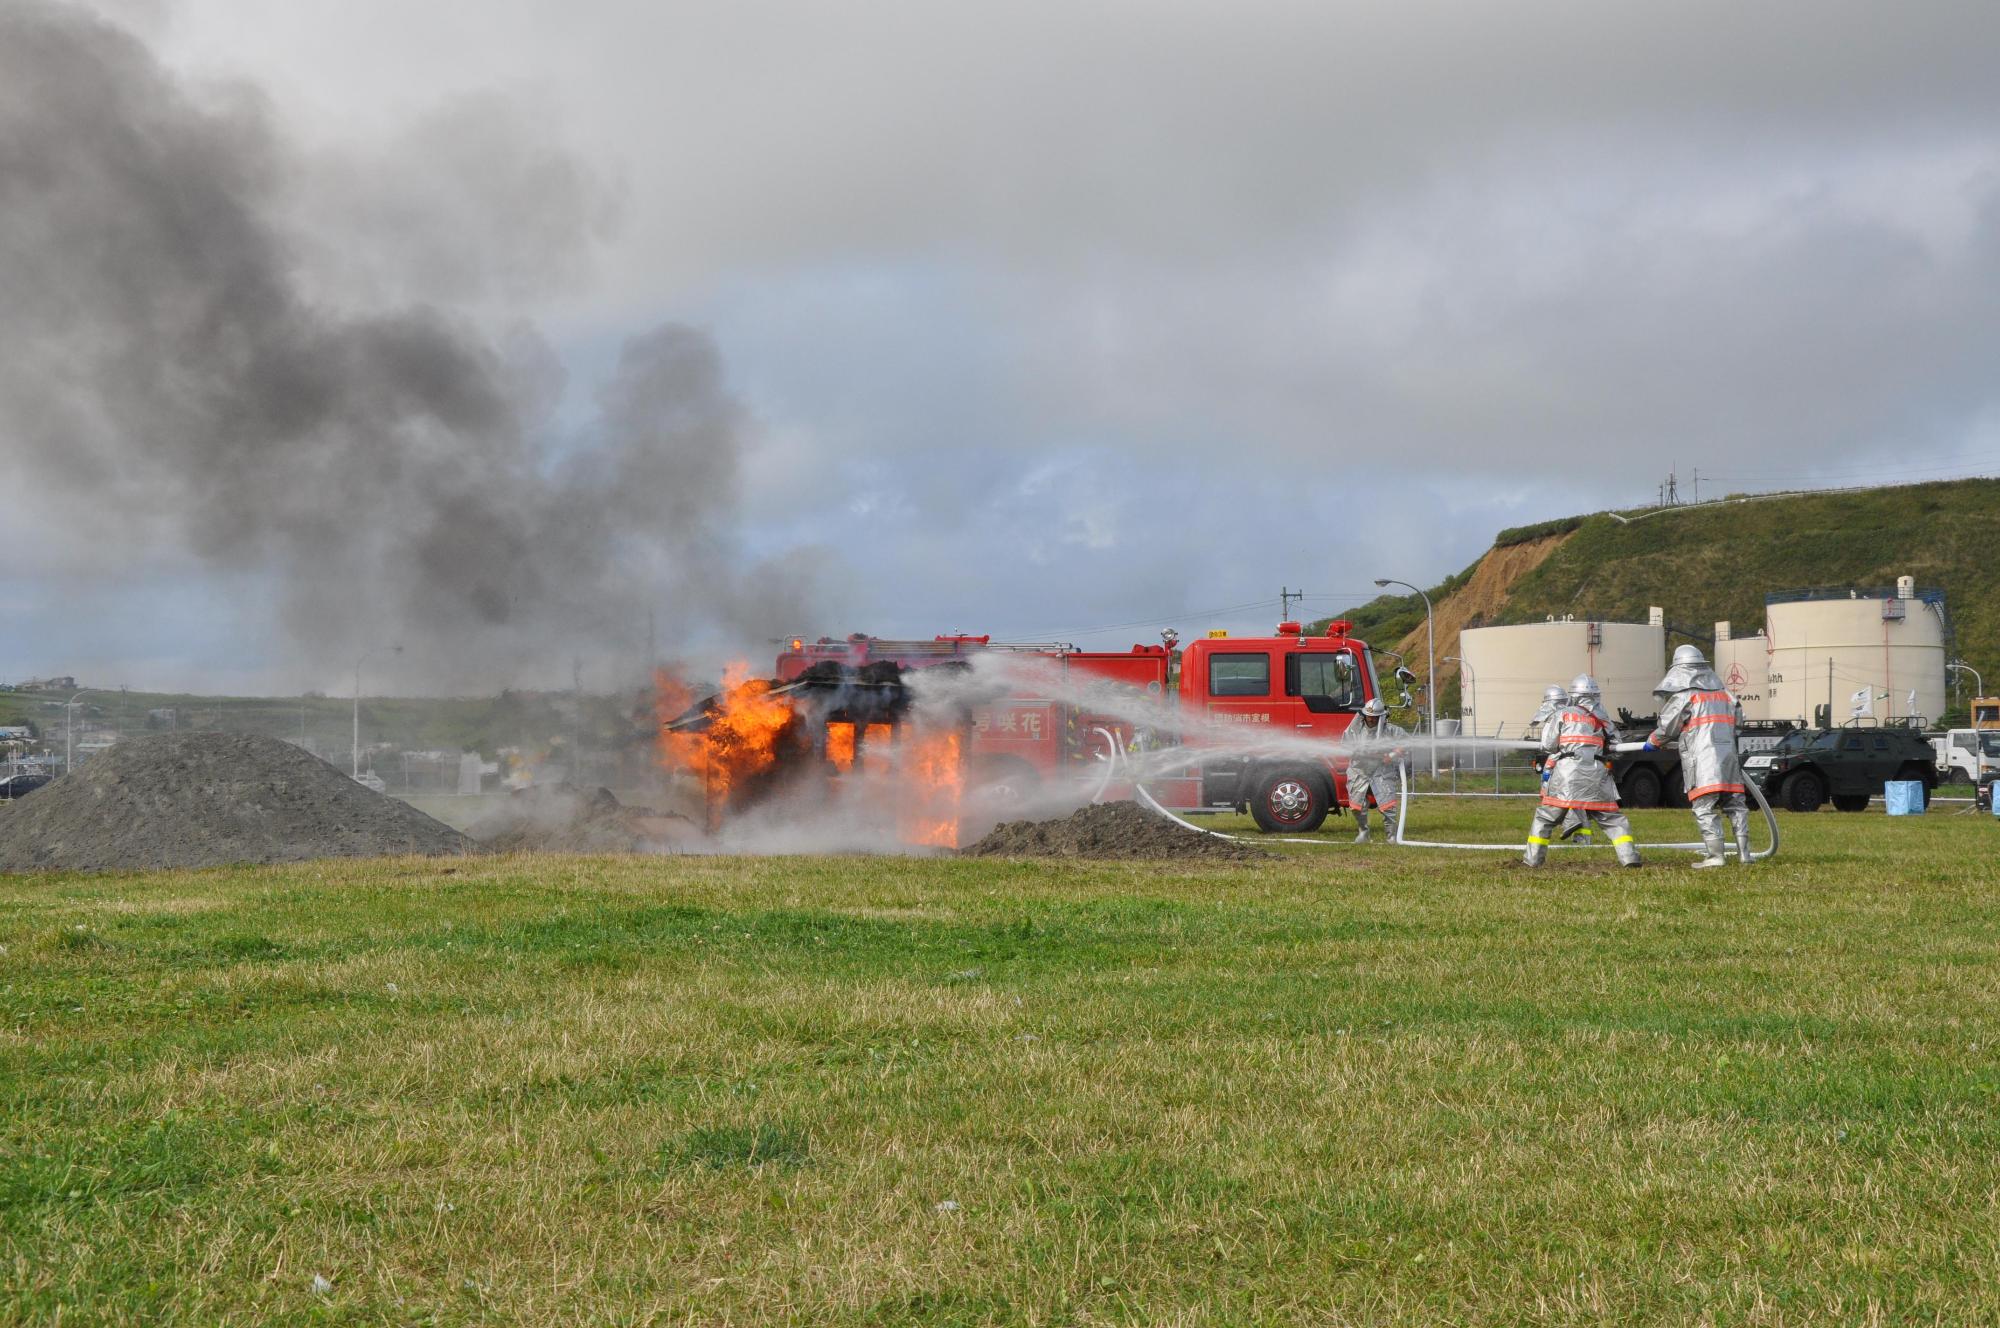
[(1403, 821), (1110, 763), (1756, 855)]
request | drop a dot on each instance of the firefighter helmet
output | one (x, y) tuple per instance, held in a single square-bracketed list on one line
[(1689, 654), (1554, 692), (1583, 685), (1375, 709)]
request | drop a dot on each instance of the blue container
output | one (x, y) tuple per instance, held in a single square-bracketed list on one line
[(1905, 797)]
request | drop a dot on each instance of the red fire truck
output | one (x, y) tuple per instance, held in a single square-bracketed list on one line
[(1289, 684)]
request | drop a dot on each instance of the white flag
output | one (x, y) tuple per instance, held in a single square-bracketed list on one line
[(1859, 704), (1913, 702)]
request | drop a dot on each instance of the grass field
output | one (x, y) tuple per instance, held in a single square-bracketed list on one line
[(1344, 1086)]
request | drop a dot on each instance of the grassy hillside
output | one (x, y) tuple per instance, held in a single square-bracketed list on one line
[(1718, 561), (1347, 1087)]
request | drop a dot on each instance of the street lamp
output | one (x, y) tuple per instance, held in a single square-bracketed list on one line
[(1430, 651), (69, 730), (357, 701), (1978, 683)]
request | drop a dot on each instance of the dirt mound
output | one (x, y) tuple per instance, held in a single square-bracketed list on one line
[(1107, 830), (206, 799), (562, 818)]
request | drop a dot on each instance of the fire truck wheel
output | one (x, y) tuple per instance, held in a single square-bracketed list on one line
[(1289, 801), (1003, 781)]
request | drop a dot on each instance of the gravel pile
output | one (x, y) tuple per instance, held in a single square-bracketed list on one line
[(564, 819), (206, 799), (1108, 830)]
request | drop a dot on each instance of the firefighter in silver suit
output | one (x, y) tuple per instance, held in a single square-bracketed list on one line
[(1697, 712), (1372, 767), (1576, 776), (1575, 825)]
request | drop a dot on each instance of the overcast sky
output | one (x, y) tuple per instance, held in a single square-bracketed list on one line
[(1053, 317)]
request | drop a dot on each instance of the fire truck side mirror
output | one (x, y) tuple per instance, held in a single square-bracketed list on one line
[(1405, 676)]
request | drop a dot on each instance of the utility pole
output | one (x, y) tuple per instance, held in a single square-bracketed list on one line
[(357, 702), (1285, 598), (69, 731), (1431, 668), (576, 721)]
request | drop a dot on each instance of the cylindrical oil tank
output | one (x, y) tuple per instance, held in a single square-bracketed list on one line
[(1744, 665), (1506, 668), (1857, 650)]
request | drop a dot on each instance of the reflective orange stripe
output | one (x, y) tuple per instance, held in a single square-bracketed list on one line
[(1574, 805), (1589, 738), (1711, 719), (1714, 788)]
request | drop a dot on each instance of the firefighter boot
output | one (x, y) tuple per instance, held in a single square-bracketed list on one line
[(1742, 820), (1361, 820), (1713, 843)]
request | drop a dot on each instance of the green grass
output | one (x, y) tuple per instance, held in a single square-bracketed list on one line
[(1341, 1086)]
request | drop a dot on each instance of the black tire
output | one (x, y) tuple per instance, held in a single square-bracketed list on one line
[(1920, 774), (1642, 787), (1805, 791), (1004, 781), (1850, 802), (1289, 800)]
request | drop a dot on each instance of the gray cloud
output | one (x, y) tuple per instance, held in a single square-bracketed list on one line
[(174, 377), (1310, 280)]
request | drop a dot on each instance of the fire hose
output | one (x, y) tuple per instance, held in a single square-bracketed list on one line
[(1403, 821)]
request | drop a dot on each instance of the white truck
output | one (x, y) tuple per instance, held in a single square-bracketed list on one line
[(1966, 756)]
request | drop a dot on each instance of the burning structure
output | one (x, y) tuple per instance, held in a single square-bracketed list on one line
[(921, 738)]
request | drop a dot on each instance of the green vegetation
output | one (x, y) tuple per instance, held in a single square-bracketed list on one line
[(1718, 561), (1344, 1086), (1709, 563), (1513, 535)]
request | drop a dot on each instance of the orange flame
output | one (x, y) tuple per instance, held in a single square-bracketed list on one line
[(840, 746), (933, 767), (875, 748), (740, 740)]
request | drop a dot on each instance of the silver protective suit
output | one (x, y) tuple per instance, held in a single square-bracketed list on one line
[(1576, 824), (1373, 753), (1702, 717), (1574, 742)]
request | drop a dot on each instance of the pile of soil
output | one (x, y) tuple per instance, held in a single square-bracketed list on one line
[(204, 800), (562, 818), (1108, 830)]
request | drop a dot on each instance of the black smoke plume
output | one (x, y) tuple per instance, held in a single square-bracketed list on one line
[(174, 379)]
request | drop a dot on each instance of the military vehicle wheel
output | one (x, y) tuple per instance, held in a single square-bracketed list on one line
[(1850, 802), (1804, 792), (1289, 800), (1919, 774), (1641, 788)]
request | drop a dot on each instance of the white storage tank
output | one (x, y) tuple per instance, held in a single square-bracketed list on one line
[(1506, 668), (1864, 650), (1744, 665)]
